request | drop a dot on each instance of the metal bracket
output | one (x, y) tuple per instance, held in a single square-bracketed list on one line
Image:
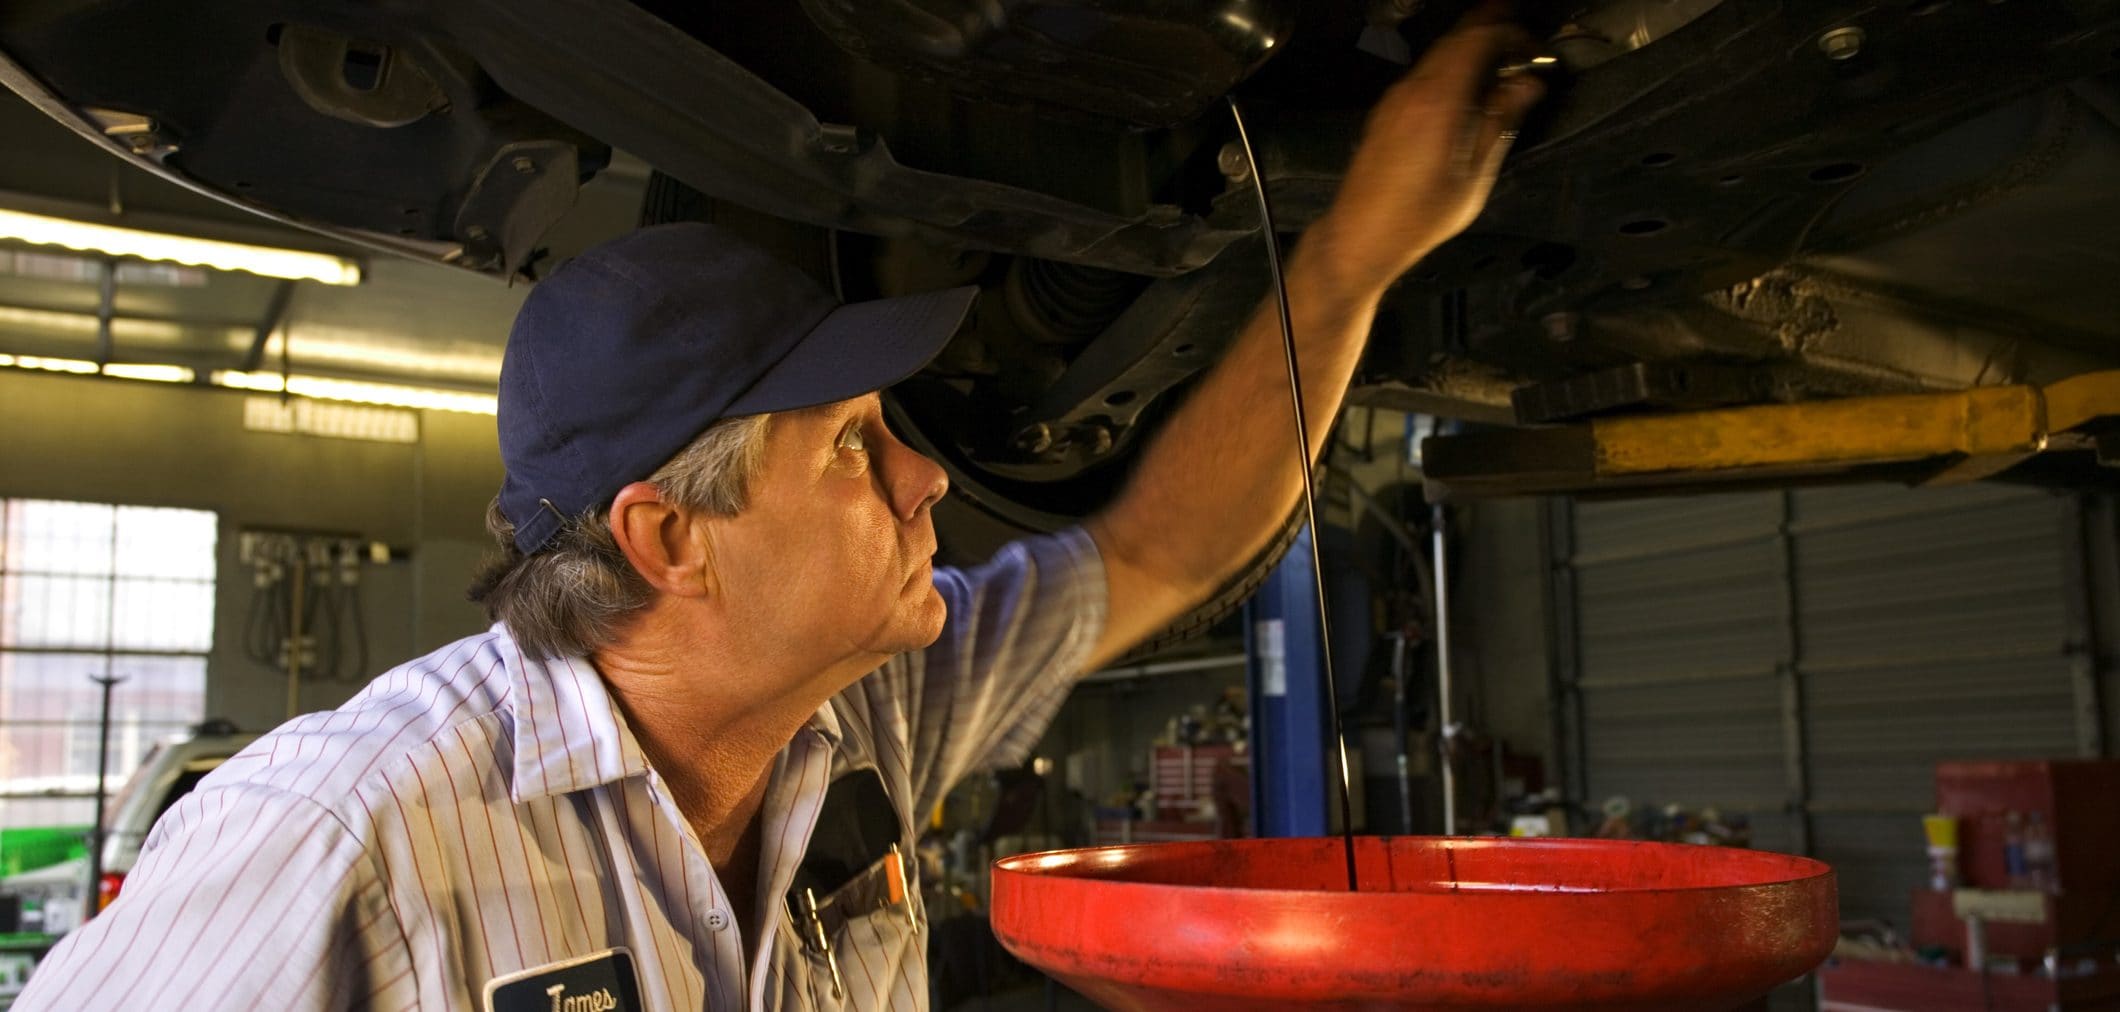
[(317, 64), (521, 192)]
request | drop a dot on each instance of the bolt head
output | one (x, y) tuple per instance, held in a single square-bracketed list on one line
[(524, 164), (1559, 326), (475, 232), (1099, 439), (1231, 161), (1842, 43), (1036, 437)]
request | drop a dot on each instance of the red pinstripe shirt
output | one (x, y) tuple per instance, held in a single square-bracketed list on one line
[(476, 814)]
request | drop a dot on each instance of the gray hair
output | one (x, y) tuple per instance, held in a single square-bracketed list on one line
[(572, 598)]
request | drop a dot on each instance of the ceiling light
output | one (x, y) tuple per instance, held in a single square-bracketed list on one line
[(321, 388), (359, 392), (79, 367), (84, 367), (354, 349), (111, 240), (151, 373)]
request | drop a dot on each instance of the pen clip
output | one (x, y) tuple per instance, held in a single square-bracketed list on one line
[(901, 886), (822, 941)]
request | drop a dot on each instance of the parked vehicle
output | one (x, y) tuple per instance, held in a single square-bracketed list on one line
[(55, 899)]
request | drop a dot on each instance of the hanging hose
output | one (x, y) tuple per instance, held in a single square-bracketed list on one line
[(334, 637), (1310, 494)]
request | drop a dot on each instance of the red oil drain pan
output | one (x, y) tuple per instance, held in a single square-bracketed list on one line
[(1438, 924)]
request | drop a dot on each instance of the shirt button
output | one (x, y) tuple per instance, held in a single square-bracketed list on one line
[(718, 919)]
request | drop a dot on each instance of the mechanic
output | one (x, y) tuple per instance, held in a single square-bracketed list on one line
[(683, 768)]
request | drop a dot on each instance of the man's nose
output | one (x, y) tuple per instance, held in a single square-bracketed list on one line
[(917, 483)]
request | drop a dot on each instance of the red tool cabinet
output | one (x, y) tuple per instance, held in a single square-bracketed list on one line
[(2078, 921)]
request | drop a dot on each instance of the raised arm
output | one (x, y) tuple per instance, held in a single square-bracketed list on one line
[(1216, 482)]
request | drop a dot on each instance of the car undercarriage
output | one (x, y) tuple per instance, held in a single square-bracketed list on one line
[(1721, 202)]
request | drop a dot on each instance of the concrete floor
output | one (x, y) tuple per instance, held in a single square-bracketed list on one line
[(1029, 999)]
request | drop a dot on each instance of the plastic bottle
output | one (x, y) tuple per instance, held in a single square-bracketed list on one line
[(2013, 852), (2039, 855), (1942, 833)]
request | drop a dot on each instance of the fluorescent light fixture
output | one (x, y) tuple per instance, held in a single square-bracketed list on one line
[(328, 348), (321, 388), (83, 367), (79, 367), (151, 373), (359, 392), (267, 381), (112, 240)]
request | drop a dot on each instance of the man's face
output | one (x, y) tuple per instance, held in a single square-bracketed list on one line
[(832, 556)]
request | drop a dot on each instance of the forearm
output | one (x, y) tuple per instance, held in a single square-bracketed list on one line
[(1215, 484)]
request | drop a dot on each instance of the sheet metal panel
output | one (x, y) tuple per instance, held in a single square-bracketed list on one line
[(1708, 613), (1708, 743), (1680, 612), (1847, 504), (1876, 733), (1934, 625), (1985, 579), (1927, 624), (1869, 851), (1640, 527)]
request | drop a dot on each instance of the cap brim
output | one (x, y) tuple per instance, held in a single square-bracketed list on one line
[(859, 348)]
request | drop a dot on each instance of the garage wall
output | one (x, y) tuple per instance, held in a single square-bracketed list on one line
[(2101, 566), (164, 445), (1501, 624), (1805, 657)]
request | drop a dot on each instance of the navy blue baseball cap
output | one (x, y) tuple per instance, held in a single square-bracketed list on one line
[(630, 350)]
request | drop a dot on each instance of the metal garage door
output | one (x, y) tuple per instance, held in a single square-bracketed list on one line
[(1805, 657)]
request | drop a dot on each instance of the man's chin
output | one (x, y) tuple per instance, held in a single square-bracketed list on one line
[(934, 614), (920, 625)]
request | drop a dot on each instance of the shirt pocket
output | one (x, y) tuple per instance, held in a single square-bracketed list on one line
[(875, 940), (870, 894)]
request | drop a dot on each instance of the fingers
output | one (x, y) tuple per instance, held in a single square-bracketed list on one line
[(1504, 112), (1454, 94), (1460, 66)]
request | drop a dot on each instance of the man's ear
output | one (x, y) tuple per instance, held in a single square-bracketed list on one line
[(658, 539)]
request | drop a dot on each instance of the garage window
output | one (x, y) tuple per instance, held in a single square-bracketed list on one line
[(89, 590)]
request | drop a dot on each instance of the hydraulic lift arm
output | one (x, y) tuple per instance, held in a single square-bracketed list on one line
[(1929, 438)]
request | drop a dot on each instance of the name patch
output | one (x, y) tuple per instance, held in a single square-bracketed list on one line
[(598, 982)]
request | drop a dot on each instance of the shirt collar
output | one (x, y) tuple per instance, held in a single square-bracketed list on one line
[(569, 732), (826, 723)]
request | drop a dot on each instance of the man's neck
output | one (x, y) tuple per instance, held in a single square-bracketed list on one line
[(712, 713), (712, 727)]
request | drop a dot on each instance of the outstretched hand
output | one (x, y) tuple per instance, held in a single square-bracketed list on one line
[(1427, 160), (1430, 152)]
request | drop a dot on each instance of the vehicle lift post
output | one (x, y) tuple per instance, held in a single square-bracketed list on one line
[(1290, 725)]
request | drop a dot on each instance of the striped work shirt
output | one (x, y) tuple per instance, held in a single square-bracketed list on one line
[(477, 823)]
